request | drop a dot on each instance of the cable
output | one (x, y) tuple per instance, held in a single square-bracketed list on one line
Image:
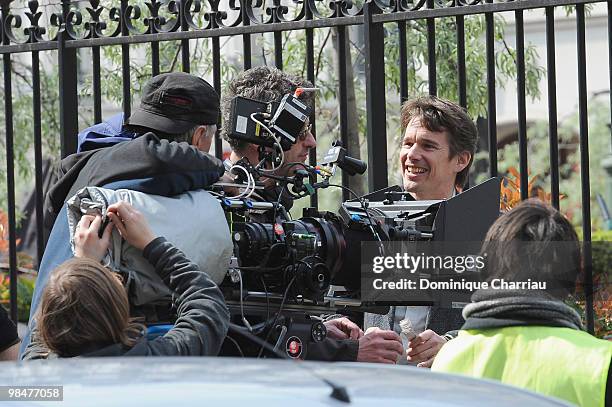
[(252, 180), (278, 201), (240, 167), (235, 342), (244, 320), (250, 183), (362, 201), (276, 140), (263, 282), (284, 187), (280, 309), (308, 169)]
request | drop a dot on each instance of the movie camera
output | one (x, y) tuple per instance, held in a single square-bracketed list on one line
[(284, 273)]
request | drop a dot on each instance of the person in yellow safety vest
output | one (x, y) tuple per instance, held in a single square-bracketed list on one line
[(521, 334)]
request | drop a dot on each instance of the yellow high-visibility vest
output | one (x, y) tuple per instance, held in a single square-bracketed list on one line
[(558, 362)]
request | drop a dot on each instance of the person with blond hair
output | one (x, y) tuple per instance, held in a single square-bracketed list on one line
[(85, 311)]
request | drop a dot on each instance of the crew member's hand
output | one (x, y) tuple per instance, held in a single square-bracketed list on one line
[(379, 346), (86, 240), (131, 224), (342, 328), (229, 179), (424, 348)]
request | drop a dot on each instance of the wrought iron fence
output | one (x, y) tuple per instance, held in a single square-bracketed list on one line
[(84, 24)]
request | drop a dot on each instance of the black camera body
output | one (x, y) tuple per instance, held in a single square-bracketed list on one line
[(300, 269), (300, 259), (260, 123), (285, 273)]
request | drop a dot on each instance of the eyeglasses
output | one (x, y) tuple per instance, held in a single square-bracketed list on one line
[(304, 133)]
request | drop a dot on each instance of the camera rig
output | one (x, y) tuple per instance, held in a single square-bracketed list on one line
[(285, 273)]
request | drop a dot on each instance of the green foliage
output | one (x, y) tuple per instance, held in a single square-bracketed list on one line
[(602, 281), (23, 123), (538, 154), (25, 289), (294, 50), (602, 254), (141, 68), (446, 66), (446, 60)]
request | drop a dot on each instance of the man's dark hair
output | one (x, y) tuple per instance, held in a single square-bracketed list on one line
[(441, 115), (533, 241), (264, 84)]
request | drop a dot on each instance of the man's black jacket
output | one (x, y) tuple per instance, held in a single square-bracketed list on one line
[(158, 166)]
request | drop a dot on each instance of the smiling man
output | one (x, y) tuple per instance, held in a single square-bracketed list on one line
[(437, 151), (438, 147)]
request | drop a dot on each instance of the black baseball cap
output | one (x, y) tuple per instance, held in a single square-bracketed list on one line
[(175, 102)]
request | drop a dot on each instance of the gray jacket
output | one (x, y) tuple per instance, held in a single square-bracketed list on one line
[(193, 221)]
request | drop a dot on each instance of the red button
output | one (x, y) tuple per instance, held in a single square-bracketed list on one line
[(278, 229)]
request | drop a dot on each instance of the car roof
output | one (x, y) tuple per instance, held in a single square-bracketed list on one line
[(191, 381)]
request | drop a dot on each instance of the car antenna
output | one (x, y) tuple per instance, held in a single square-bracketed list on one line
[(338, 392)]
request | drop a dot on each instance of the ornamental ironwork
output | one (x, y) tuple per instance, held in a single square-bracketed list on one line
[(94, 19)]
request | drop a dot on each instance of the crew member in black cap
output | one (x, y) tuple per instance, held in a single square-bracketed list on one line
[(180, 107), (170, 132), (175, 107)]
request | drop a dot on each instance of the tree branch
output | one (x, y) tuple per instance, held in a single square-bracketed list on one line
[(263, 50), (508, 49), (321, 52), (175, 59)]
